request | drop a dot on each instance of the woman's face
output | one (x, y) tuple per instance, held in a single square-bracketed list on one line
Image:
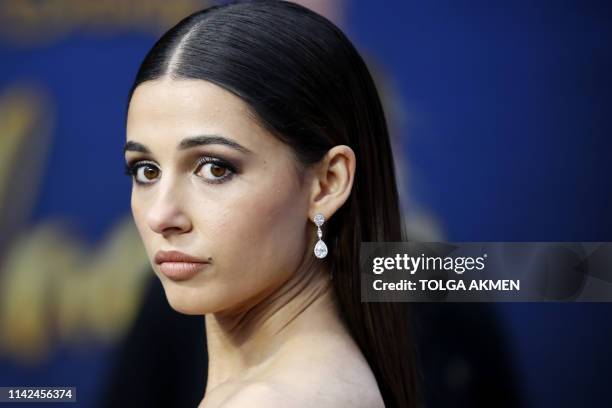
[(212, 183)]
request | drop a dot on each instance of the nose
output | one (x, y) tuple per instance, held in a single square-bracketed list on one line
[(166, 215)]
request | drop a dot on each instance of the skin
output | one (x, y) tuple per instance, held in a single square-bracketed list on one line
[(274, 334)]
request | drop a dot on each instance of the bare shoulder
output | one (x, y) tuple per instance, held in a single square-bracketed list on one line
[(322, 372), (327, 372), (288, 395), (259, 394)]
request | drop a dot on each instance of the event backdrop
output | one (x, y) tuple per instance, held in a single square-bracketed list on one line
[(500, 113)]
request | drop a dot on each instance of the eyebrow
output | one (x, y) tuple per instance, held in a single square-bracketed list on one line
[(190, 142)]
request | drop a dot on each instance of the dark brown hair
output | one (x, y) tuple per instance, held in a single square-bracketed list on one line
[(309, 87)]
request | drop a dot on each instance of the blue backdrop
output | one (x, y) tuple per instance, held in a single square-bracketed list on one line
[(504, 109)]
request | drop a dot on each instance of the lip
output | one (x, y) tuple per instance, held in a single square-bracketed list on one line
[(179, 266), (176, 256)]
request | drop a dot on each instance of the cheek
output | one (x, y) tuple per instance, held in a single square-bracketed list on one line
[(263, 236), (138, 215)]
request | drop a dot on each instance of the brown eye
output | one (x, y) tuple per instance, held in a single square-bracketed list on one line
[(146, 173), (214, 170), (217, 171), (150, 172)]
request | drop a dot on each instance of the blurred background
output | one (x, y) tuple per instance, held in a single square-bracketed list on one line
[(500, 117)]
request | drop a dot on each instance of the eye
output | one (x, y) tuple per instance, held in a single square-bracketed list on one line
[(215, 170), (143, 172)]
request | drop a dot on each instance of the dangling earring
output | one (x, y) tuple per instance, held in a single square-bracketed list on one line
[(320, 249)]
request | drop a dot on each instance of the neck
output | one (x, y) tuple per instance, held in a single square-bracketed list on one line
[(241, 342)]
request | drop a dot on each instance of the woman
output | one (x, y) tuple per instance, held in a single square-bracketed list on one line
[(261, 160)]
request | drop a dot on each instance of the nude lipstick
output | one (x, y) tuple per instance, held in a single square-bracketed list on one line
[(179, 266)]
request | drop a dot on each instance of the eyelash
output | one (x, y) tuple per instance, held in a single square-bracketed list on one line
[(131, 169)]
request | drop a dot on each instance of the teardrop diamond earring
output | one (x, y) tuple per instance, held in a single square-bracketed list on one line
[(320, 249)]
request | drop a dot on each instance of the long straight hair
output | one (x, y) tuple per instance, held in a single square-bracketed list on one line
[(309, 87)]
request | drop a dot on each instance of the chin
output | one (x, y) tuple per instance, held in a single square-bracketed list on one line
[(185, 307), (188, 300)]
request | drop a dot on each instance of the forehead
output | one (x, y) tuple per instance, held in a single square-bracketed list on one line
[(179, 108)]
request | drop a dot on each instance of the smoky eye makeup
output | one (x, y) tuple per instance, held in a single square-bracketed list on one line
[(215, 170), (211, 169), (137, 169)]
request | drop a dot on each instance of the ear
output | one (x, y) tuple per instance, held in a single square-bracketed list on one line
[(332, 182)]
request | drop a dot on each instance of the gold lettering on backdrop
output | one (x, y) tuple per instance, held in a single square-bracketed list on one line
[(34, 23), (26, 115), (53, 287)]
